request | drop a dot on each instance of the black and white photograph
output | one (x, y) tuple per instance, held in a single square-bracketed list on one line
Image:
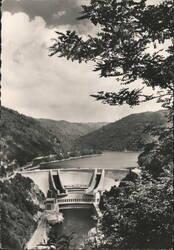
[(86, 124)]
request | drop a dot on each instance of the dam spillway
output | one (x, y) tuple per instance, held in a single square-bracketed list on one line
[(83, 180), (74, 188)]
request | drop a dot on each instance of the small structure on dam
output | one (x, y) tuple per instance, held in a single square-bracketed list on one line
[(52, 213)]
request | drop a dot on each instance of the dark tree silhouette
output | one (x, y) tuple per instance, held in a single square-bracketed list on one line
[(127, 47), (134, 43)]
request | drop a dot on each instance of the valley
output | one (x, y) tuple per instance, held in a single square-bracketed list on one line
[(62, 145)]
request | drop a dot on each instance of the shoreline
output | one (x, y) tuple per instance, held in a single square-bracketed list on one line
[(127, 151), (71, 158), (67, 159), (44, 163)]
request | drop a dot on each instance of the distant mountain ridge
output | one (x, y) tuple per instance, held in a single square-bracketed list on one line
[(68, 132), (124, 134)]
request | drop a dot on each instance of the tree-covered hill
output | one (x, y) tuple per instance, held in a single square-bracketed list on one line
[(20, 203), (124, 134), (68, 132), (23, 138)]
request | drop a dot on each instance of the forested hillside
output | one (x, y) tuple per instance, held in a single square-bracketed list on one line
[(127, 133), (23, 138), (68, 132), (20, 206)]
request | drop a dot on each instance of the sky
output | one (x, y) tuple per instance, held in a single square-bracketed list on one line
[(50, 87)]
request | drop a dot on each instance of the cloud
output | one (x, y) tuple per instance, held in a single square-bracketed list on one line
[(54, 12), (41, 86)]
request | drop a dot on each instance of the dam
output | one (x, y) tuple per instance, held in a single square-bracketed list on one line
[(71, 177), (77, 186), (73, 188)]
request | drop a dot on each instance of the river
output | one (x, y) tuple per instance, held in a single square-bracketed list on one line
[(80, 222)]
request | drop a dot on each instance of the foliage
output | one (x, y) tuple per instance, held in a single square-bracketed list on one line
[(18, 206), (128, 133), (123, 48), (68, 132), (64, 156), (23, 138), (157, 157), (16, 226), (18, 191), (137, 216), (134, 43), (2, 171)]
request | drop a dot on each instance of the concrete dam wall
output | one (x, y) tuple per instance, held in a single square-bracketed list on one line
[(75, 178)]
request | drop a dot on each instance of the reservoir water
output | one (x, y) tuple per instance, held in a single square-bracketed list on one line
[(111, 160), (79, 222)]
